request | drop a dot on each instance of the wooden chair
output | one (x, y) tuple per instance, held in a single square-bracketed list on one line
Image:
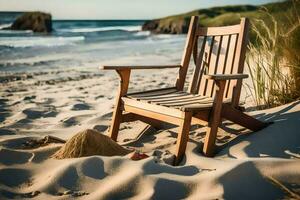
[(213, 93)]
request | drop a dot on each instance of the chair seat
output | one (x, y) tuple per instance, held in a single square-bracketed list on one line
[(173, 98)]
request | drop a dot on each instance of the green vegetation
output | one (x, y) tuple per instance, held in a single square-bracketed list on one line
[(273, 58)]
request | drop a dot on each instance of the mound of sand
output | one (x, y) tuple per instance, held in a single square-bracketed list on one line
[(88, 143)]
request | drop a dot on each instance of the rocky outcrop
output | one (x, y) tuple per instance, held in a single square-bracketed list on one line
[(150, 25), (171, 27), (35, 21)]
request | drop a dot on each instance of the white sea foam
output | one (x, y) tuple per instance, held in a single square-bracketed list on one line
[(12, 32), (143, 33), (99, 29), (4, 26), (39, 41)]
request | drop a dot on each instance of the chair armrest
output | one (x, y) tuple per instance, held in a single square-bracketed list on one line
[(126, 67), (226, 76)]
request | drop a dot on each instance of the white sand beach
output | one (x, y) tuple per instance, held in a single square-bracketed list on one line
[(261, 165)]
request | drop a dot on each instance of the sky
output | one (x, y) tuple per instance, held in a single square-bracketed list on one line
[(116, 9)]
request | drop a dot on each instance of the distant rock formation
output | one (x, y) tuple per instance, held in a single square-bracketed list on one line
[(171, 27), (35, 21)]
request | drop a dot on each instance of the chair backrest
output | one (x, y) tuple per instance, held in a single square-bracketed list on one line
[(216, 50)]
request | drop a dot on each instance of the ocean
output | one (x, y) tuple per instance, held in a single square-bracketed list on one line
[(84, 45)]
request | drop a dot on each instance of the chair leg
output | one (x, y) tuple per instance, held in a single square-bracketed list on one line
[(211, 136), (116, 121), (214, 120), (117, 115), (183, 136)]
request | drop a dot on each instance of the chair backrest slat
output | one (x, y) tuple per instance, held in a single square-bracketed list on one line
[(208, 63), (218, 65), (219, 50), (215, 31), (188, 50), (240, 58), (194, 85), (231, 68)]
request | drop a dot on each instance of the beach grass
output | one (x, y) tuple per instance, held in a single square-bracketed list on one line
[(273, 60)]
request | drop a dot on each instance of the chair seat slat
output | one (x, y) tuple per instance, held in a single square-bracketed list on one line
[(153, 92), (173, 99)]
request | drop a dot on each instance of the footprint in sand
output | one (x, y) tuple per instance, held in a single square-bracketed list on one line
[(10, 157), (75, 120), (98, 97), (29, 98), (81, 106), (35, 113), (4, 131), (100, 128), (4, 113), (21, 176), (161, 185)]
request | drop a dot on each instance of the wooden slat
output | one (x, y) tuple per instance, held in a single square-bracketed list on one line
[(154, 108), (193, 87), (185, 61), (190, 101), (196, 107), (226, 76), (240, 58), (232, 83), (163, 97), (181, 104), (215, 31), (156, 123), (230, 61), (227, 48), (211, 58), (168, 99), (223, 55), (179, 99), (152, 115), (160, 97), (204, 68), (127, 67), (214, 64), (150, 93), (201, 107)]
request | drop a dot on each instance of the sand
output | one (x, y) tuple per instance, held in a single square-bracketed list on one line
[(90, 143), (262, 165)]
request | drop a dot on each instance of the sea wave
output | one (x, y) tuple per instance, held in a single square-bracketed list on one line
[(143, 33), (5, 25), (39, 41), (100, 29), (14, 32)]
